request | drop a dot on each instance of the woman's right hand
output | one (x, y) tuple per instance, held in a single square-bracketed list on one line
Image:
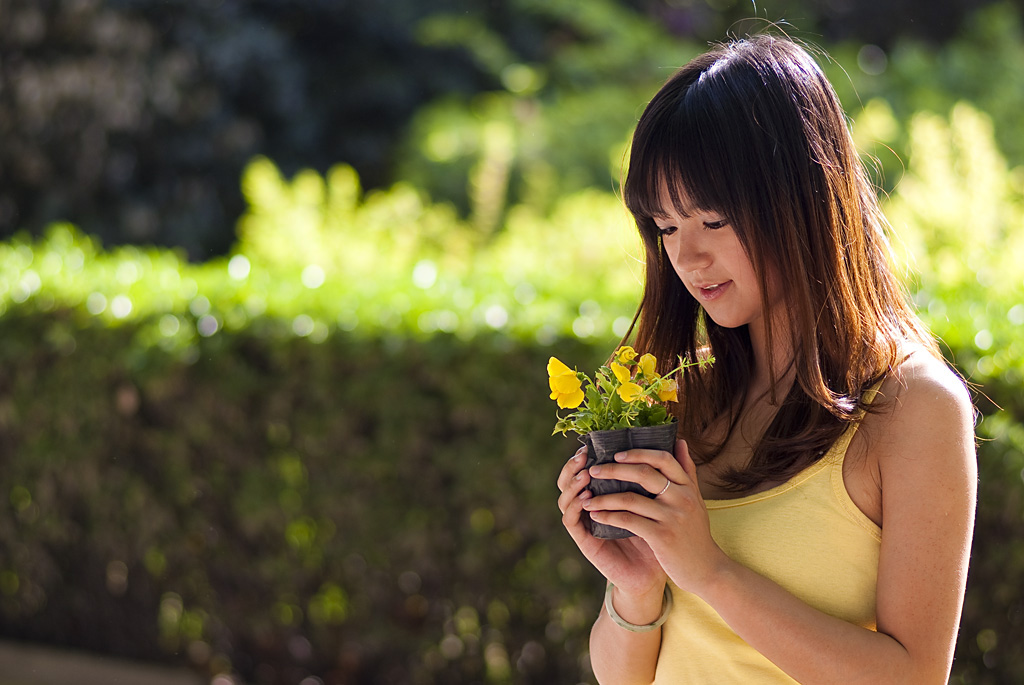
[(628, 563)]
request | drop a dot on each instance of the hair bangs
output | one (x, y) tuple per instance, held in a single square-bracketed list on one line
[(690, 152)]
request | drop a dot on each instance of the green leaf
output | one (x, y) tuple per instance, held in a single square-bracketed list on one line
[(614, 403)]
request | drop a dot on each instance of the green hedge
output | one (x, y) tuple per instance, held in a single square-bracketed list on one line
[(362, 509)]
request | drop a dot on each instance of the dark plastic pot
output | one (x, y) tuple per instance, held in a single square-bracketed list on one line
[(602, 447)]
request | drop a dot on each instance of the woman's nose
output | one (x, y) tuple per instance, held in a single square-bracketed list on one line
[(690, 254)]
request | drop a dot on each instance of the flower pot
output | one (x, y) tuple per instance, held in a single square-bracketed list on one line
[(602, 447)]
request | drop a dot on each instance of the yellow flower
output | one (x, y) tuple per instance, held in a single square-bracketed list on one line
[(667, 392), (625, 354), (629, 391), (618, 396), (558, 368), (621, 372), (566, 387), (567, 392)]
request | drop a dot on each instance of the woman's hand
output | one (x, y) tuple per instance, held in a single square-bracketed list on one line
[(674, 525), (628, 563)]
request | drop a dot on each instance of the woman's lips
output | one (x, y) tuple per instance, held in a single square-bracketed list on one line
[(712, 291)]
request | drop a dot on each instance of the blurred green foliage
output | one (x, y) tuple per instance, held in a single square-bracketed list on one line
[(561, 119), (562, 124), (315, 256)]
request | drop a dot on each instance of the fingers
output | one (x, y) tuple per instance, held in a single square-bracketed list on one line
[(652, 470), (572, 480), (572, 514), (572, 467), (629, 504), (574, 489), (684, 459), (645, 475), (636, 524), (572, 520), (659, 459), (649, 468)]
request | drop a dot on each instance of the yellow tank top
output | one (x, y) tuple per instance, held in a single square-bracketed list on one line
[(805, 534)]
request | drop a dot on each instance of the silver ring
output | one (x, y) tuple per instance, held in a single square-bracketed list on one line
[(664, 489)]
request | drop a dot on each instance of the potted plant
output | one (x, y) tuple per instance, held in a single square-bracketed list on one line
[(624, 408)]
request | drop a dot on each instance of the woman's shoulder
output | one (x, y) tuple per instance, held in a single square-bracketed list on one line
[(924, 403), (923, 385), (917, 440)]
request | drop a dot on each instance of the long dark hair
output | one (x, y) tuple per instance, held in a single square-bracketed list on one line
[(753, 131)]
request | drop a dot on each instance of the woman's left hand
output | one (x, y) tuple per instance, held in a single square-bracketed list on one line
[(674, 524)]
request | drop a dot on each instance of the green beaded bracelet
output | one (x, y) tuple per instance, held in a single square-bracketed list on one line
[(666, 608)]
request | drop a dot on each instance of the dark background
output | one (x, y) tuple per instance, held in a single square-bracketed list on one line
[(134, 118)]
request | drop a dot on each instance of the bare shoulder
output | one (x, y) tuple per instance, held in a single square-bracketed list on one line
[(929, 417), (920, 439), (924, 390)]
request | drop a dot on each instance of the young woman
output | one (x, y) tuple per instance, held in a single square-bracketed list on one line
[(814, 524)]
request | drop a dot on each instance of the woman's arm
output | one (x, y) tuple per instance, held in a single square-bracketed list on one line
[(618, 656), (925, 455)]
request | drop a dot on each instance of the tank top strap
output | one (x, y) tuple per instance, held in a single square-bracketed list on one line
[(835, 459), (837, 452), (872, 392)]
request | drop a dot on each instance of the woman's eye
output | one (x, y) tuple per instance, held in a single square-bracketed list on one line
[(715, 225), (666, 230)]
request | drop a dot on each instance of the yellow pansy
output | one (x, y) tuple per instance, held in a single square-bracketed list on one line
[(629, 391), (566, 390), (625, 354), (558, 368), (566, 387), (621, 372), (668, 391), (648, 363), (619, 396), (564, 384)]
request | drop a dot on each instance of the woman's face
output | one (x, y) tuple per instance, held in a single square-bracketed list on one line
[(709, 259)]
